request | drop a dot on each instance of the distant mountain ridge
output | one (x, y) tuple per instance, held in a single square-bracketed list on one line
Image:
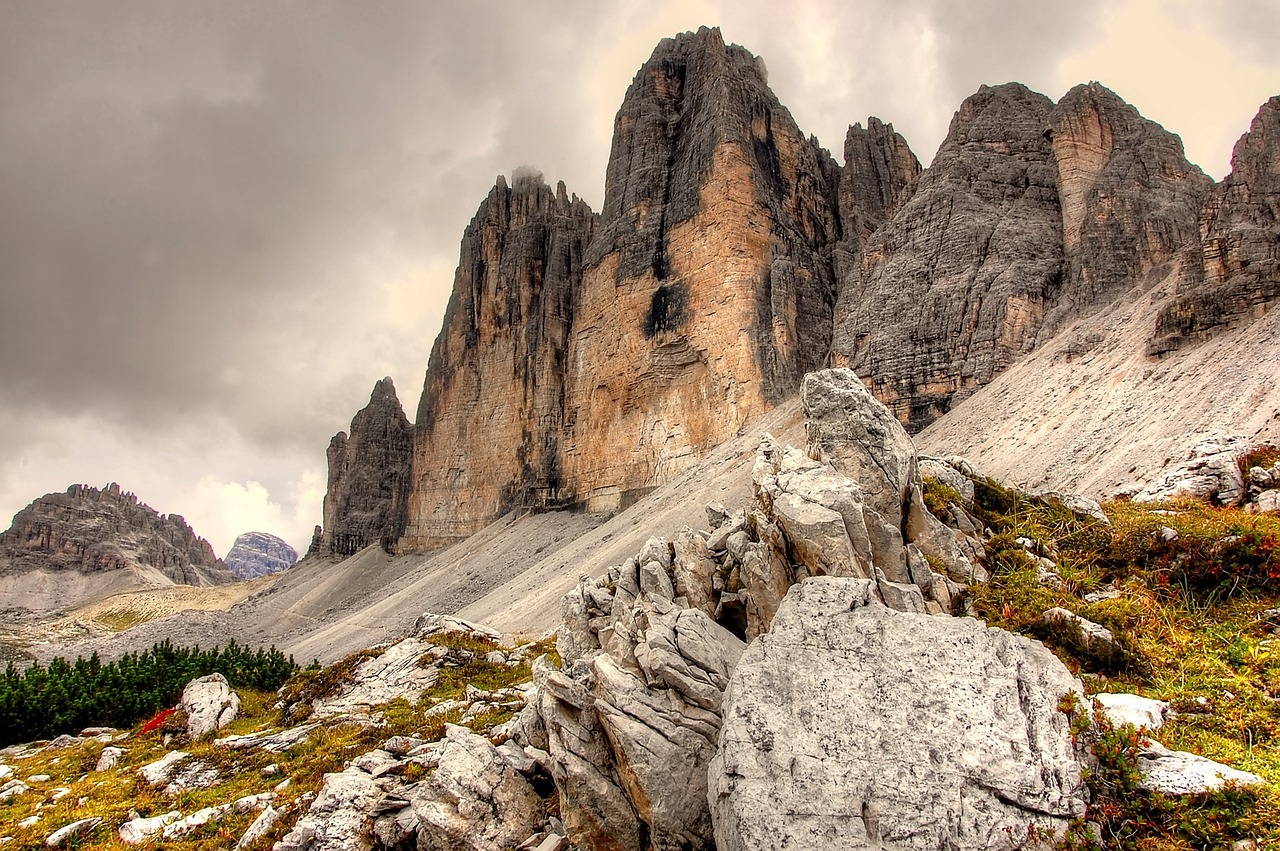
[(67, 548), (257, 554)]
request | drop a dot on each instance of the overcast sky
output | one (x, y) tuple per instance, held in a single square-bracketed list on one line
[(221, 223)]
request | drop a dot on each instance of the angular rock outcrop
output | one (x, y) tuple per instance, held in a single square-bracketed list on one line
[(955, 286), (1210, 471), (96, 531), (474, 799), (631, 721), (1241, 230), (708, 289), (1130, 200), (367, 498), (492, 413), (850, 725), (257, 554)]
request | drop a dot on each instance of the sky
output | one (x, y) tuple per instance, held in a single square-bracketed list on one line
[(222, 222)]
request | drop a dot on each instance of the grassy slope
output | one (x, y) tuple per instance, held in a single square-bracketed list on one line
[(113, 794), (1189, 611)]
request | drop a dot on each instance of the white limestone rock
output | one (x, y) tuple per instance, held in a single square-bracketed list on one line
[(339, 817), (1182, 773), (859, 437), (108, 759), (210, 704), (136, 831), (1141, 713), (1209, 472), (851, 726), (474, 800), (158, 772), (260, 827), (76, 829)]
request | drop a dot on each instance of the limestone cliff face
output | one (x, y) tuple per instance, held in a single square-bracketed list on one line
[(879, 175), (1241, 233), (368, 492), (95, 531), (492, 413), (1130, 200), (708, 291), (955, 286)]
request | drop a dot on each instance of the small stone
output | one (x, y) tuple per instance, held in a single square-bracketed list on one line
[(1142, 713), (158, 772), (1182, 773), (260, 827), (109, 758), (553, 842), (65, 741), (39, 778), (270, 770), (77, 828)]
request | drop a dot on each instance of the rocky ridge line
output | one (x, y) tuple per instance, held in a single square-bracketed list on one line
[(95, 531)]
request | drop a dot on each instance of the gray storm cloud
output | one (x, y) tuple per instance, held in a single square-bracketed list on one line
[(230, 219)]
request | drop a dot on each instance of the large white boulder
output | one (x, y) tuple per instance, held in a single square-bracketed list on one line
[(210, 705), (850, 725)]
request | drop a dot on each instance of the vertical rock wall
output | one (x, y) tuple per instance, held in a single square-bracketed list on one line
[(1130, 200), (954, 287), (490, 421), (709, 289), (1241, 259), (367, 497)]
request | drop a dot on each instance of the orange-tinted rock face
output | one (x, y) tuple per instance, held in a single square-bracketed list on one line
[(708, 291), (492, 410)]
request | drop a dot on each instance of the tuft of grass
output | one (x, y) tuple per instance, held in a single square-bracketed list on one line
[(118, 620), (113, 794), (939, 498), (1124, 817), (1264, 456)]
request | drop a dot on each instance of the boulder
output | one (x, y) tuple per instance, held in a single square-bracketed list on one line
[(859, 437), (1209, 471), (1182, 773), (210, 705), (260, 827), (474, 800), (136, 831), (108, 758), (872, 728), (338, 818), (158, 772)]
